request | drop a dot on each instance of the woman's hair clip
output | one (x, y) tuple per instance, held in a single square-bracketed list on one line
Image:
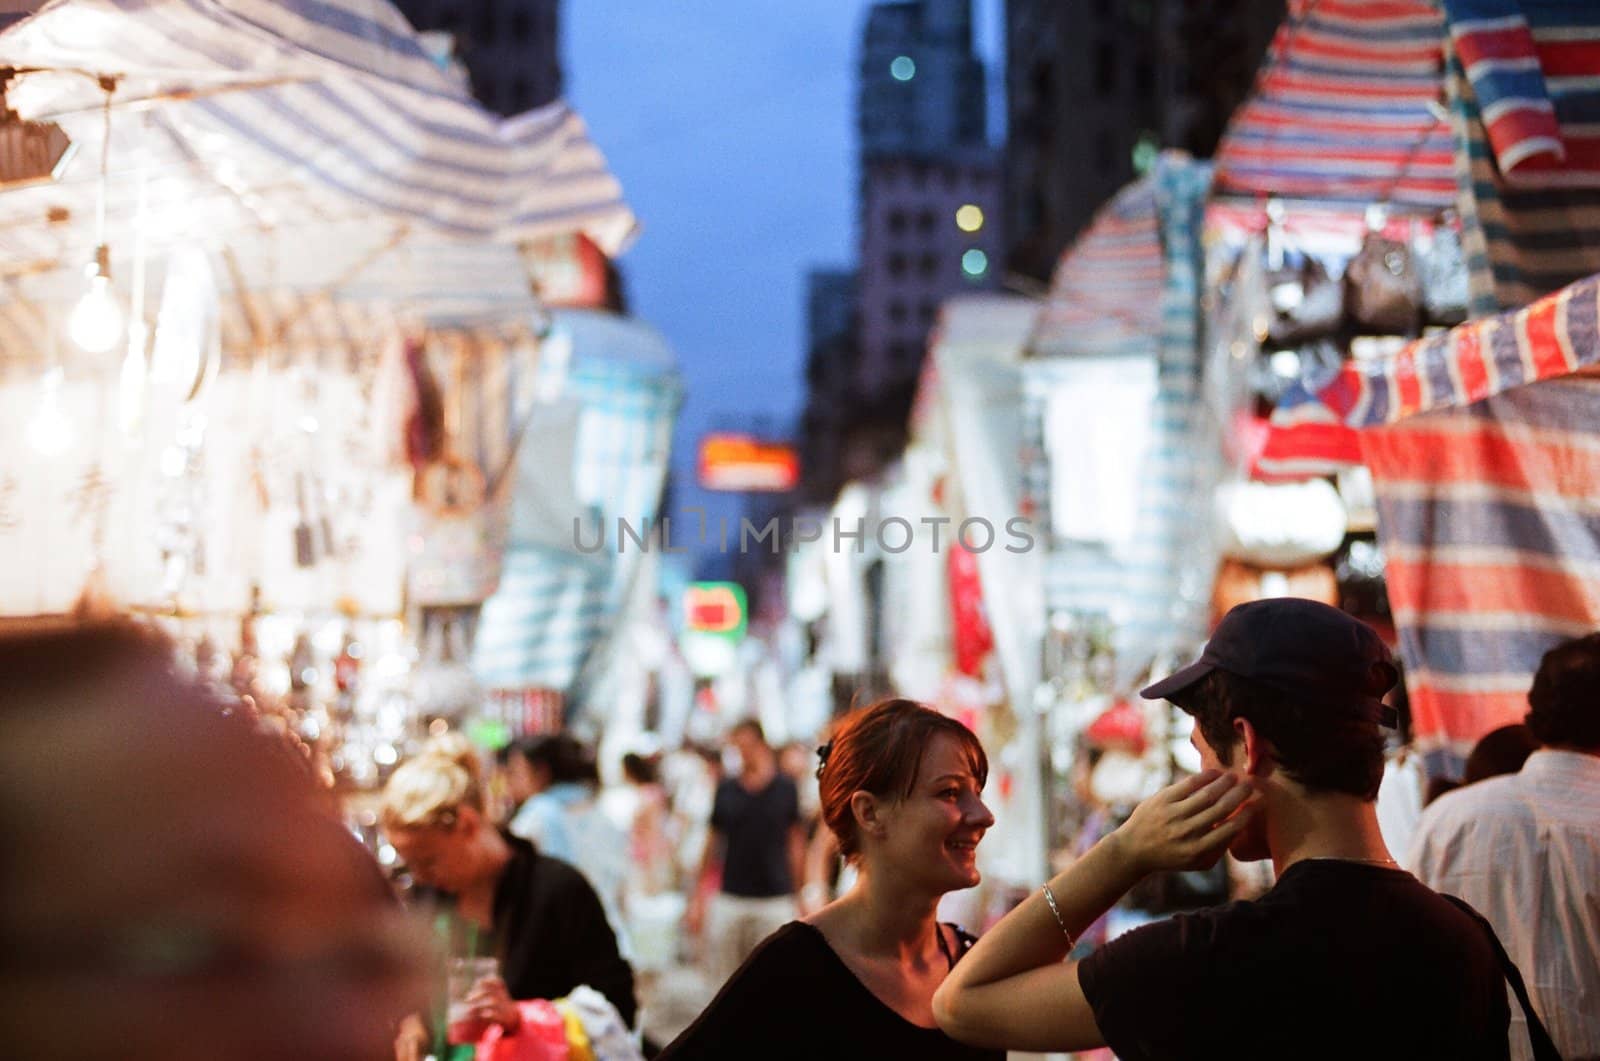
[(822, 758)]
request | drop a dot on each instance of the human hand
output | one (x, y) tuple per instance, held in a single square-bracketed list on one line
[(1188, 824), (411, 1042), (490, 1001)]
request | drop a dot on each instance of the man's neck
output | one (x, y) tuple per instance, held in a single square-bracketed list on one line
[(1325, 826)]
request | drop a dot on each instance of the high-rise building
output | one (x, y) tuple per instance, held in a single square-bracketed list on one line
[(511, 48), (928, 226), (1088, 82), (921, 88), (929, 230), (929, 183)]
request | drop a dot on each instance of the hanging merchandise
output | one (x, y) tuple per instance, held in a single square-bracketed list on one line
[(1279, 525), (1304, 303), (1445, 281), (972, 637), (1383, 287), (1239, 583), (443, 684), (458, 539)]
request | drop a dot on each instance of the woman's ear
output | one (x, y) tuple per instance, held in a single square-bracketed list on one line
[(868, 813)]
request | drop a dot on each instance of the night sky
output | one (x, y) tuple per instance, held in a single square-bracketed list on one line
[(731, 126)]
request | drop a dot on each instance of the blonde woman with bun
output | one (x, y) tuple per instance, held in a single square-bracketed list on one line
[(534, 913)]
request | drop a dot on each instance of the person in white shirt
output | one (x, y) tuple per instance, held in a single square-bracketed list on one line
[(1524, 849)]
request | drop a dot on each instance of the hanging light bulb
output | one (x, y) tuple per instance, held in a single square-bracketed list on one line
[(49, 431), (97, 320)]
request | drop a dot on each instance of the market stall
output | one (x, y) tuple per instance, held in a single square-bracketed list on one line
[(281, 412)]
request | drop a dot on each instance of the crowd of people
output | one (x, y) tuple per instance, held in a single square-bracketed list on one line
[(178, 876)]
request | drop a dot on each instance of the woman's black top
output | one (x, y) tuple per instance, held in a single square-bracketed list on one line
[(795, 998)]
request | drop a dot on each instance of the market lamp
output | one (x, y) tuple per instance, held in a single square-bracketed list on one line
[(97, 321)]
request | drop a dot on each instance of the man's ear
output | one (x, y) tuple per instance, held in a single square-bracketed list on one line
[(467, 820), (1256, 749), (868, 813)]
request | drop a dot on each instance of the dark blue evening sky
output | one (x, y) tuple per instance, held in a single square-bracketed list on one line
[(730, 124)]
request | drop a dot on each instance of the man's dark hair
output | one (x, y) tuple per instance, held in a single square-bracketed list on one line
[(751, 726), (1562, 702), (564, 758), (1322, 747)]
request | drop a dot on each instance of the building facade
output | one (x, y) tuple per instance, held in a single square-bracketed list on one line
[(928, 227), (511, 48), (1088, 82), (929, 230)]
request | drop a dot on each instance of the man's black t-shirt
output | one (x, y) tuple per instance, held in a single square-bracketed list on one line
[(755, 863), (1340, 959), (795, 998)]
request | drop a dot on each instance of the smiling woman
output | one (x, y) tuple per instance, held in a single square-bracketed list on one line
[(901, 788)]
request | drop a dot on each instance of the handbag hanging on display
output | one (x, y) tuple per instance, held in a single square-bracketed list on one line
[(1304, 303), (1382, 287)]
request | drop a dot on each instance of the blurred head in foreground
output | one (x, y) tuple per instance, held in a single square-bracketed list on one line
[(173, 886)]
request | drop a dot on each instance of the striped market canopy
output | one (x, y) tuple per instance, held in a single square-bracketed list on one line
[(1535, 70), (1345, 109), (1105, 296), (1146, 587), (1525, 88), (285, 113)]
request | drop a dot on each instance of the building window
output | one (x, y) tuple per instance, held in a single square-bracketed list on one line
[(929, 265), (521, 27), (927, 312), (897, 265), (897, 311), (1105, 68), (483, 27), (521, 94), (897, 222), (925, 222)]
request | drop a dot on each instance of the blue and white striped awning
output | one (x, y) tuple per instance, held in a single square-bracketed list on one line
[(285, 113)]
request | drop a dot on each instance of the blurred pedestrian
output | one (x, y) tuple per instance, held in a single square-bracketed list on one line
[(757, 840), (175, 888), (536, 914), (1524, 848), (1346, 956), (901, 789), (563, 818)]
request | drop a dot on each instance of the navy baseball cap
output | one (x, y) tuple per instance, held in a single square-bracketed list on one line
[(1300, 648)]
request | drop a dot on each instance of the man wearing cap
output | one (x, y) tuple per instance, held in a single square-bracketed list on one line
[(1346, 956)]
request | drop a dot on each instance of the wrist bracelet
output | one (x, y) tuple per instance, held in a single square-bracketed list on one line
[(1050, 901)]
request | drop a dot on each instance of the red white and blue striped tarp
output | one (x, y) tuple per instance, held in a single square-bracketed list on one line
[(1535, 70), (1554, 337), (1314, 432), (1105, 296), (1344, 109), (1489, 519), (1531, 218)]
